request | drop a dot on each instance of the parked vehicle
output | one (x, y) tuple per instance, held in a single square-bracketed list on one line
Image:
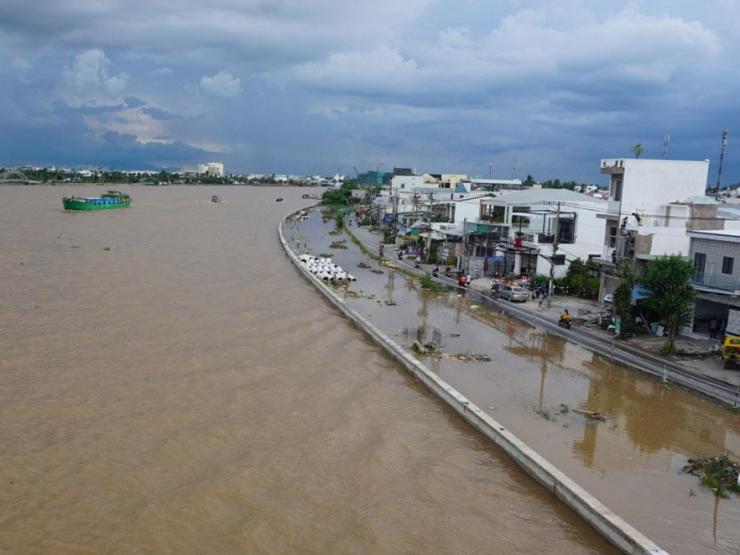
[(513, 293), (564, 324), (731, 351)]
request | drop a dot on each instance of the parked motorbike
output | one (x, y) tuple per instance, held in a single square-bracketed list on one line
[(564, 324)]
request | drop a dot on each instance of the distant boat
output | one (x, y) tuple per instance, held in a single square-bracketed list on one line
[(111, 199), (215, 198), (279, 199)]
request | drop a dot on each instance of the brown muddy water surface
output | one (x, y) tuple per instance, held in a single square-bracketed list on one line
[(536, 382), (170, 384)]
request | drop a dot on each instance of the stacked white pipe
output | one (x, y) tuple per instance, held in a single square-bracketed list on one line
[(324, 269)]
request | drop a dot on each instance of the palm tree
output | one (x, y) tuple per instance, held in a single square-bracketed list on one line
[(638, 149)]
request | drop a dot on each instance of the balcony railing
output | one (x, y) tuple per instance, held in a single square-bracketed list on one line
[(717, 281)]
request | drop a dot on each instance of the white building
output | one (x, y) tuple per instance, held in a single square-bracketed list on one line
[(652, 205), (212, 169), (640, 189), (407, 182), (531, 219)]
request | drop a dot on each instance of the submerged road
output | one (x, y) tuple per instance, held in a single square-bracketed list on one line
[(536, 384)]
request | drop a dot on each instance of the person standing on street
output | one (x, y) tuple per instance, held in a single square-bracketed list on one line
[(713, 326)]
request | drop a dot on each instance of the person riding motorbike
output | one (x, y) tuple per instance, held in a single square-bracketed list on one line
[(435, 272), (565, 319)]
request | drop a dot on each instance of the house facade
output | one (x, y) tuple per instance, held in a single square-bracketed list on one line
[(716, 258)]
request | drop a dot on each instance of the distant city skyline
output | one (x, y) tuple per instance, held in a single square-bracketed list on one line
[(516, 88)]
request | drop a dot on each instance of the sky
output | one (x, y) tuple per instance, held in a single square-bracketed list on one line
[(319, 86)]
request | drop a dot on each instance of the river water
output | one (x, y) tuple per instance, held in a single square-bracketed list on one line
[(170, 384), (536, 383)]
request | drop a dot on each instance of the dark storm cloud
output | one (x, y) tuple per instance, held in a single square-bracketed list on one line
[(284, 85)]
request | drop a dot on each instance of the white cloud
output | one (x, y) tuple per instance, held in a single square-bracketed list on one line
[(222, 84), (88, 83)]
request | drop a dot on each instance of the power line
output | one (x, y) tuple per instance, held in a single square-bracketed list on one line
[(662, 216)]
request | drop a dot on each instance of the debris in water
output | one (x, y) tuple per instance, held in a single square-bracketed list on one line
[(376, 271), (106, 248), (390, 303), (474, 307), (418, 347), (717, 473), (338, 244), (455, 334), (591, 415), (363, 265)]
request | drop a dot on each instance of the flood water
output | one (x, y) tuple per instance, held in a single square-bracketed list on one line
[(170, 384), (536, 382)]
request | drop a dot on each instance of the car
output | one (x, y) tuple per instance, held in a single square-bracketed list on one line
[(609, 298), (514, 293), (730, 351)]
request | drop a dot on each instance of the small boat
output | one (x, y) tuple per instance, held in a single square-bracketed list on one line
[(106, 201), (279, 199), (215, 198), (306, 196)]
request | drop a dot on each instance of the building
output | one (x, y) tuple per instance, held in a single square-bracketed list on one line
[(651, 205), (489, 185), (531, 218), (716, 257), (408, 182), (211, 169)]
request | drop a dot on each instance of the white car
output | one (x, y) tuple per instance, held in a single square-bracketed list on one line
[(609, 298)]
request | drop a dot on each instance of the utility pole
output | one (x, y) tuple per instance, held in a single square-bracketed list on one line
[(394, 204), (721, 156), (551, 288), (666, 142), (428, 246)]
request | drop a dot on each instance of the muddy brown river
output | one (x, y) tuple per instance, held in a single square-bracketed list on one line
[(169, 384)]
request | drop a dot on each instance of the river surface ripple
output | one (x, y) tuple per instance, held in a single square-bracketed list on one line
[(170, 384)]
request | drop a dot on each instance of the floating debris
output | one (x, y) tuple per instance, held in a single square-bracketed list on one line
[(717, 473), (390, 303), (338, 244), (474, 307), (363, 266), (376, 271), (591, 415), (455, 334), (467, 357)]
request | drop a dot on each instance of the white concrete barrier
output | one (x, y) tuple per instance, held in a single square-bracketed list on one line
[(611, 526)]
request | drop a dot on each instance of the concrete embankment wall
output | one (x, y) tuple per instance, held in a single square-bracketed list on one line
[(611, 526)]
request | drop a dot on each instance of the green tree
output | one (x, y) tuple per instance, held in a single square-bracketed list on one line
[(623, 299), (638, 149), (529, 181), (671, 295)]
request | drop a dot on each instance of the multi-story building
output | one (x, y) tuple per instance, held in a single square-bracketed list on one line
[(652, 204), (716, 257), (532, 218), (212, 169)]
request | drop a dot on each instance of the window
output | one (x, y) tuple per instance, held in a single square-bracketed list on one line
[(727, 263), (616, 189), (700, 262)]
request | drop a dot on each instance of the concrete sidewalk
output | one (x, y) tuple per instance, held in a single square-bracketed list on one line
[(707, 363)]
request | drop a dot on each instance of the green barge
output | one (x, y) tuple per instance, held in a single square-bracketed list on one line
[(111, 199)]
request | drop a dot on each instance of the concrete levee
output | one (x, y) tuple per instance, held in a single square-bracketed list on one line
[(611, 526)]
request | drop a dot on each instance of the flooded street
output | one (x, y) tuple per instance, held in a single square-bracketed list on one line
[(536, 384), (170, 384)]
